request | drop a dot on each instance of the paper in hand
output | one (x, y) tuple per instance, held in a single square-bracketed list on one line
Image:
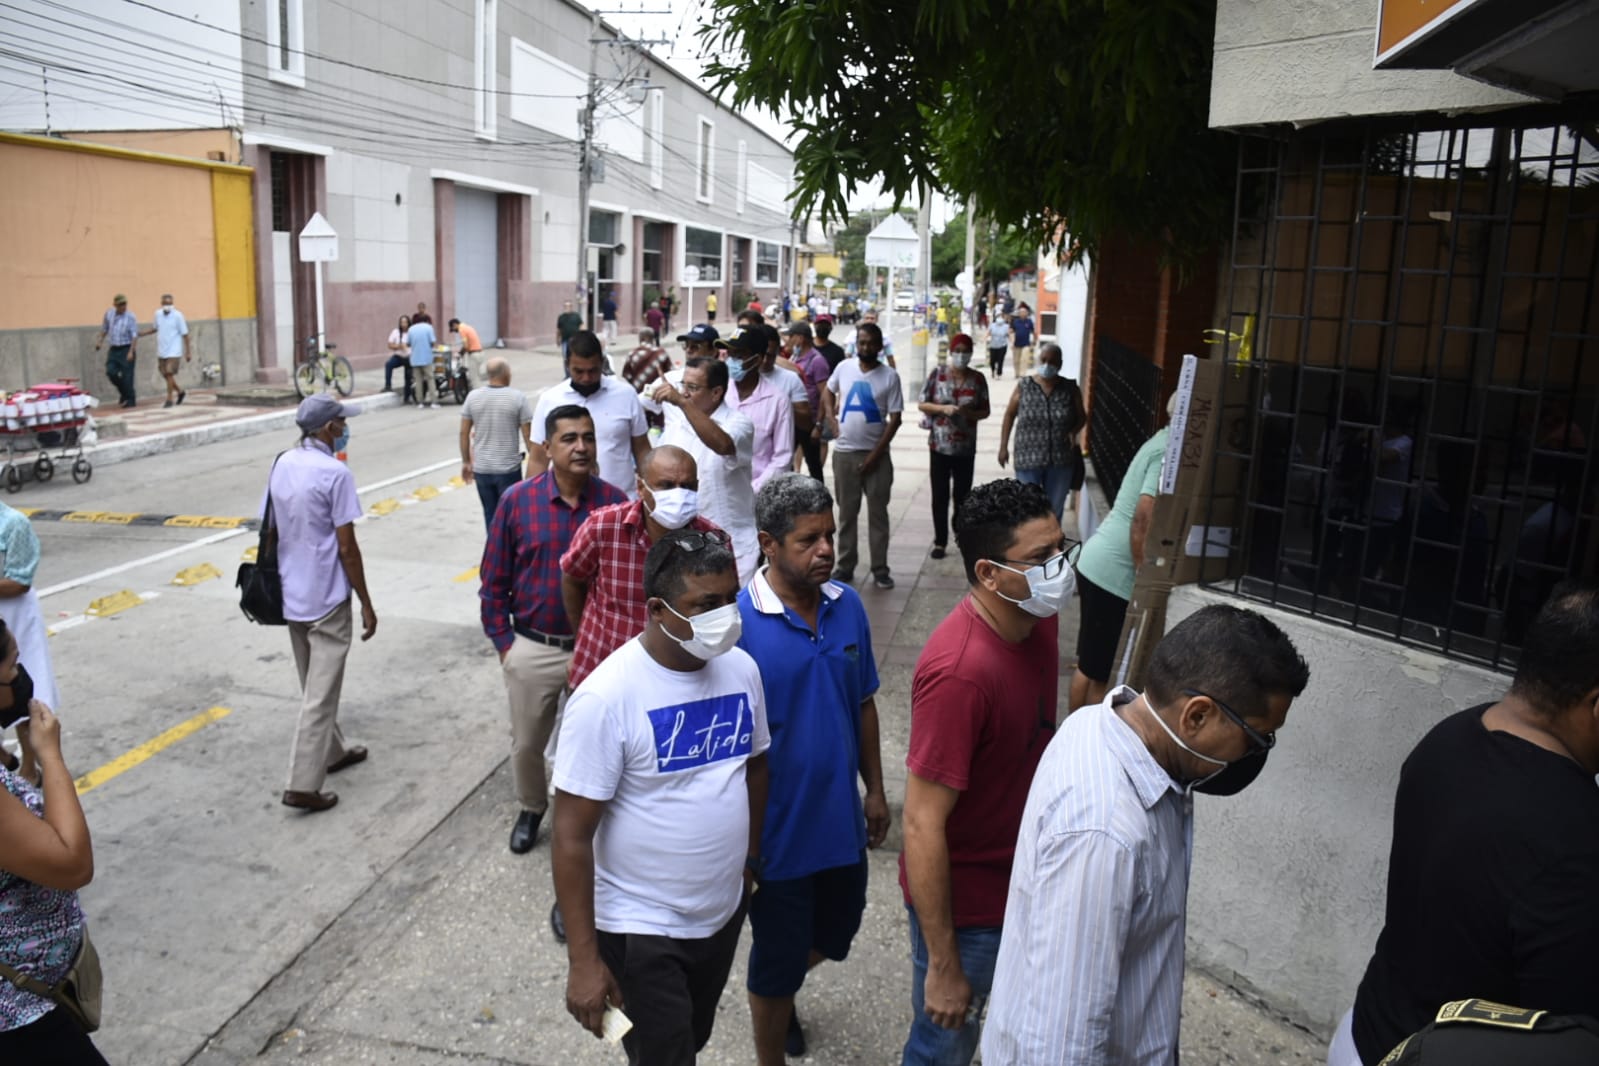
[(615, 1025)]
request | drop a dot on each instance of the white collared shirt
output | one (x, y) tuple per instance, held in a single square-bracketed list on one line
[(1090, 969), (727, 490), (618, 418)]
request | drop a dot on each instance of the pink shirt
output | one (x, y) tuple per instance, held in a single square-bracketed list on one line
[(768, 407)]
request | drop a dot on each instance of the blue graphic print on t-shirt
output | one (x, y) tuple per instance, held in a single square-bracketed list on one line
[(861, 400), (691, 735)]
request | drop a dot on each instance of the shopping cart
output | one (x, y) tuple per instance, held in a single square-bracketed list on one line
[(45, 418)]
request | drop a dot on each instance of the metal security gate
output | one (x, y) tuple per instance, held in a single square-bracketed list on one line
[(477, 263)]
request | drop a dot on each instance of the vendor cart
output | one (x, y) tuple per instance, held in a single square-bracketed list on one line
[(45, 418)]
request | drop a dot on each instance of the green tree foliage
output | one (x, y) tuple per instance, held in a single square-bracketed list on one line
[(995, 252), (1093, 111)]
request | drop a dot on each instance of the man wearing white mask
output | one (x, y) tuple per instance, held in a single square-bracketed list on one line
[(602, 573), (1091, 960), (983, 708), (661, 779)]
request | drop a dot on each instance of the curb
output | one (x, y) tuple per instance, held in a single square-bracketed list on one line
[(129, 448)]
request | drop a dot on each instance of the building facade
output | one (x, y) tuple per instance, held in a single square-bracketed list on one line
[(1409, 430), (441, 140)]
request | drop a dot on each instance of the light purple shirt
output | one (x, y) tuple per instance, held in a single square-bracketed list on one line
[(313, 494), (772, 413)]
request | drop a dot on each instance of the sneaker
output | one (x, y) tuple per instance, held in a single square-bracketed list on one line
[(883, 581), (938, 551), (844, 577), (182, 395), (167, 404)]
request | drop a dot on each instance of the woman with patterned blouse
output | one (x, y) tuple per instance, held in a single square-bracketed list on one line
[(1047, 411), (954, 400), (45, 859)]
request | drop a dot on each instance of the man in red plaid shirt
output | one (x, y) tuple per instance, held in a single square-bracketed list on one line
[(602, 573), (521, 598)]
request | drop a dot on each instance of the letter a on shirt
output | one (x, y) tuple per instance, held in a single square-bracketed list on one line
[(861, 399)]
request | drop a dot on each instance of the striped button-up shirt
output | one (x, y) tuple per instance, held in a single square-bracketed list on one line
[(1090, 969), (121, 328)]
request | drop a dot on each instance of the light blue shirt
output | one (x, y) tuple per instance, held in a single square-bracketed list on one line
[(1090, 969), (19, 545), (120, 329), (313, 494), (422, 339), (170, 329)]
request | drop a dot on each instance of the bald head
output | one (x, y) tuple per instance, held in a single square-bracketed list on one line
[(668, 467), (497, 370)]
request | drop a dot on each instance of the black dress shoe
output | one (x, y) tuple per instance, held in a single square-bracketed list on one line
[(310, 801), (525, 833), (794, 1039), (557, 924)]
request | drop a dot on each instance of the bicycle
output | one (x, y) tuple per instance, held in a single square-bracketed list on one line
[(323, 370)]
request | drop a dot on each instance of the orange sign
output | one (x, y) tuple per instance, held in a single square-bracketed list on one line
[(1401, 20)]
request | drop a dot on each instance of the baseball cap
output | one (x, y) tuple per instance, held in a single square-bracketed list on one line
[(318, 410), (799, 329), (960, 339), (119, 299), (700, 334), (745, 340)]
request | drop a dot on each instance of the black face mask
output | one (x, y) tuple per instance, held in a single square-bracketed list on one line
[(21, 695), (1238, 776), (586, 390)]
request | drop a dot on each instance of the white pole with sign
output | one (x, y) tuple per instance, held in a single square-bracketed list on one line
[(319, 244), (691, 278)]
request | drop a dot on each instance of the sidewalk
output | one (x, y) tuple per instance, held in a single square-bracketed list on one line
[(448, 957)]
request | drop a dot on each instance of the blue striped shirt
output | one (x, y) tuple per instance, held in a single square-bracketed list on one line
[(1090, 968), (120, 328)]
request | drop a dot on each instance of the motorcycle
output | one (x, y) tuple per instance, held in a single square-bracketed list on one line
[(450, 374)]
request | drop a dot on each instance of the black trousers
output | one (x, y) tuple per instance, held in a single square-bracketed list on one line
[(812, 450), (671, 988), (996, 360), (946, 470), (54, 1040)]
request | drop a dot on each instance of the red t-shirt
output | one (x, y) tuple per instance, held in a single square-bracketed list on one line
[(982, 712)]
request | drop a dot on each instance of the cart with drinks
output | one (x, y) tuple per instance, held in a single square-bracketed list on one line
[(43, 419)]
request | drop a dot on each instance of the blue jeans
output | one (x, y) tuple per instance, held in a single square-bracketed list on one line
[(119, 368), (490, 487), (1056, 481), (930, 1044)]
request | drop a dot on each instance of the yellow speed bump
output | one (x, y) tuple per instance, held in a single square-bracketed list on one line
[(122, 764), (426, 492), (456, 482), (106, 606), (196, 574), (249, 554), (384, 507)]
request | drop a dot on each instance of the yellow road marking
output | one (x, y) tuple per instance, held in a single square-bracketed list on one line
[(457, 482), (384, 507), (106, 606), (426, 492), (196, 574), (466, 575), (122, 764)]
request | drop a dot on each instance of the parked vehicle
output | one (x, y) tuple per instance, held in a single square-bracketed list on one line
[(905, 300)]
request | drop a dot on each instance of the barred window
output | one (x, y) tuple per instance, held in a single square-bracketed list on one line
[(1414, 334)]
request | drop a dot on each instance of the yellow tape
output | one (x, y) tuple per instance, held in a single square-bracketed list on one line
[(121, 765)]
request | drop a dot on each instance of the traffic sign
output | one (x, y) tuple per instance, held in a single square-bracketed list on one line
[(810, 275), (319, 243), (829, 283), (691, 275)]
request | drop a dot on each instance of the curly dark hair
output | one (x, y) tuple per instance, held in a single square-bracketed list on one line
[(986, 524)]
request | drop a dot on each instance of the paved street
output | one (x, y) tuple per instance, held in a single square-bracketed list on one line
[(396, 928)]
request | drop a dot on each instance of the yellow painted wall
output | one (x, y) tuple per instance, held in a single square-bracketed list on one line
[(80, 223), (196, 144)]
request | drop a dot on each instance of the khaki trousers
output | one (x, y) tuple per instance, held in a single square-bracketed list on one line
[(535, 675), (849, 485), (320, 649)]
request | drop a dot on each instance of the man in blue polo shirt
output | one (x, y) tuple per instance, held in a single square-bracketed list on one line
[(811, 640)]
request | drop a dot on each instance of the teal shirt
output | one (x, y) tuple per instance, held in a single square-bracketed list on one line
[(1107, 558)]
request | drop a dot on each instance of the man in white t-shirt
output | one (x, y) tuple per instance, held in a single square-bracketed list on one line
[(661, 785), (172, 344), (701, 421), (862, 405), (621, 433)]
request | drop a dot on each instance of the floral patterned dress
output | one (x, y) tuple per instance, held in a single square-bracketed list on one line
[(40, 928)]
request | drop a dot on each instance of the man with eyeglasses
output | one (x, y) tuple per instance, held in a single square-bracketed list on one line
[(1090, 964), (522, 610), (701, 340), (983, 708), (661, 786)]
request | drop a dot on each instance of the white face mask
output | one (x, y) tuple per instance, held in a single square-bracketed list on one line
[(960, 359), (1046, 370), (1048, 594), (674, 508), (1220, 764), (714, 631)]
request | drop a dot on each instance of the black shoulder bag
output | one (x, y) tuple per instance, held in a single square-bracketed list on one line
[(260, 586)]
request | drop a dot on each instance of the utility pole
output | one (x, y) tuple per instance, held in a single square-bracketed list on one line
[(585, 173), (971, 248), (924, 280)]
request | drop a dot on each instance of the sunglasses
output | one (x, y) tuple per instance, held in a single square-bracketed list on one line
[(694, 540), (1258, 741)]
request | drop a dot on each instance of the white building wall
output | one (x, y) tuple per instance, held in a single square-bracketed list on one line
[(1298, 61)]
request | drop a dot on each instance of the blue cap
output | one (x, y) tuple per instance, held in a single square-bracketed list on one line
[(700, 334)]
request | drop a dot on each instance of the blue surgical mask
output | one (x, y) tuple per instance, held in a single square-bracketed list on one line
[(342, 441), (1046, 370), (736, 369)]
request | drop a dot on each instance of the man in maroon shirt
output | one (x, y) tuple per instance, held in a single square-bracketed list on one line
[(982, 711)]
